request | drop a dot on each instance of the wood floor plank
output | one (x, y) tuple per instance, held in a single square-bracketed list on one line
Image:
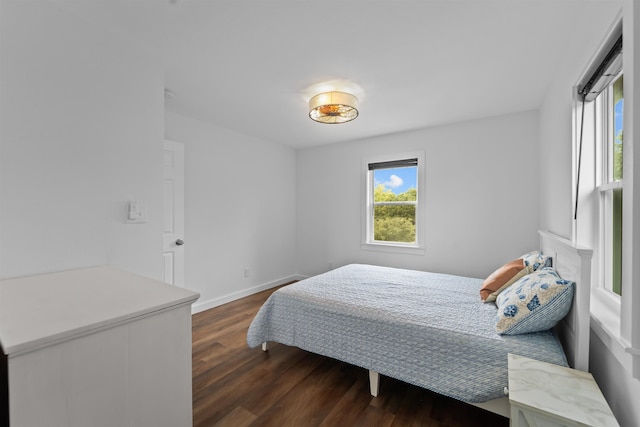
[(309, 397), (374, 416), (350, 409), (239, 417), (234, 385), (286, 376)]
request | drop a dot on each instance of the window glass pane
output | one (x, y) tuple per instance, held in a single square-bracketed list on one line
[(394, 224), (613, 172), (618, 107), (616, 249), (395, 184), (616, 235), (394, 200)]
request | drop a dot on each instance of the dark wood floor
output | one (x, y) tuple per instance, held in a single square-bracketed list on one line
[(234, 385)]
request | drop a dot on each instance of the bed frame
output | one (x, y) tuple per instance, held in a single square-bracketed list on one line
[(573, 263)]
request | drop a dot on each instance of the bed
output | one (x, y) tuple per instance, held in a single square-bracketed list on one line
[(428, 329)]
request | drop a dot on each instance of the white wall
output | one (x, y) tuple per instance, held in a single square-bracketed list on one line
[(82, 130), (481, 197), (556, 182), (81, 133), (619, 387), (240, 210)]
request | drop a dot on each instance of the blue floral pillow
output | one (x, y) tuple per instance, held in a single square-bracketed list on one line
[(537, 260), (534, 303)]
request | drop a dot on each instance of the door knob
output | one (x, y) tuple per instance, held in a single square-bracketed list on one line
[(179, 242)]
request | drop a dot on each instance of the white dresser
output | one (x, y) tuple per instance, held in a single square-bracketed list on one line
[(546, 395), (96, 347)]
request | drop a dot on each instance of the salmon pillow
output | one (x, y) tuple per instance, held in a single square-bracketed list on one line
[(502, 278)]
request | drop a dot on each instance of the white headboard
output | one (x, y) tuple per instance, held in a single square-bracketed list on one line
[(572, 262)]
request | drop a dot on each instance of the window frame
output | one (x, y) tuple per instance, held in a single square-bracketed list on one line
[(605, 304), (606, 307), (367, 242), (612, 317), (605, 187)]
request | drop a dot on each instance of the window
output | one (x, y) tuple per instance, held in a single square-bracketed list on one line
[(393, 201), (395, 198), (613, 197), (611, 103), (601, 101), (604, 201), (607, 211)]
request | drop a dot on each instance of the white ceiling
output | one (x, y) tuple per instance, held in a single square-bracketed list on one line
[(251, 66)]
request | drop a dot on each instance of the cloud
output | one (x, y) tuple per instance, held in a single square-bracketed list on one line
[(394, 182)]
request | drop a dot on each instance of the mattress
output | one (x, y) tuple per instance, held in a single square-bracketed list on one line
[(428, 329)]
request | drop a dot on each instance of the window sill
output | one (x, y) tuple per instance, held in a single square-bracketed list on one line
[(398, 249), (605, 323)]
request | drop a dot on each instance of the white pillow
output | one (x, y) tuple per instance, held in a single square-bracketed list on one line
[(536, 302), (537, 260)]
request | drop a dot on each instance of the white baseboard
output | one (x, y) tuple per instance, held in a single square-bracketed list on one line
[(206, 305)]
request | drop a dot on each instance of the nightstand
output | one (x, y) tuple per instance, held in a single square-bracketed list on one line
[(543, 394)]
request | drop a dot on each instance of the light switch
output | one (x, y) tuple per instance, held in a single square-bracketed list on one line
[(136, 213)]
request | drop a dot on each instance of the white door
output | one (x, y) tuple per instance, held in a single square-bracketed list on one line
[(173, 246)]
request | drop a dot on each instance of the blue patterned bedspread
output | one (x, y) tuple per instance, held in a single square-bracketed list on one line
[(427, 329)]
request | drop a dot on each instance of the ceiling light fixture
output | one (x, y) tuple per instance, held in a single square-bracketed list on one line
[(333, 107)]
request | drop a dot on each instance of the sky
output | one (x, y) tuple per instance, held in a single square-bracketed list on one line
[(618, 109), (397, 180)]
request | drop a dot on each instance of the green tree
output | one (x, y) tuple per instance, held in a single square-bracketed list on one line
[(383, 194), (617, 156), (394, 229), (394, 223), (618, 101)]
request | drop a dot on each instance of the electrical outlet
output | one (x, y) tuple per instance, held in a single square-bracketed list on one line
[(246, 272)]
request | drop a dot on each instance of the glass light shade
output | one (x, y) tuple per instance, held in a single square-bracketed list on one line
[(333, 107)]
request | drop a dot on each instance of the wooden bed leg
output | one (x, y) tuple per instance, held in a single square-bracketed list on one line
[(265, 346), (374, 383)]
